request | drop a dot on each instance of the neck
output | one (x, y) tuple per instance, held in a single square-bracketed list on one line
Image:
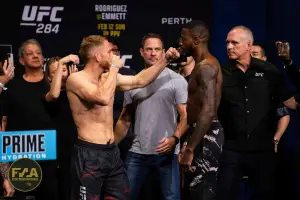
[(94, 70), (201, 52), (187, 70), (243, 62), (33, 74)]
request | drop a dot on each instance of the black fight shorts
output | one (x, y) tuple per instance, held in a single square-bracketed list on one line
[(97, 171)]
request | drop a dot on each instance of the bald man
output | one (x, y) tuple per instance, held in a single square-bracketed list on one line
[(251, 90)]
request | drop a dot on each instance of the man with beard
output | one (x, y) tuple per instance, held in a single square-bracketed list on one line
[(199, 157)]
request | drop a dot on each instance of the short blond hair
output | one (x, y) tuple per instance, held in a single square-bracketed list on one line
[(88, 43)]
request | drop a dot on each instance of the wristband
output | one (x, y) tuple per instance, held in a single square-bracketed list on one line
[(3, 87), (115, 66), (176, 139)]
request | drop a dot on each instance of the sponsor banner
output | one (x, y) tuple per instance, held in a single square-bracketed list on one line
[(36, 145)]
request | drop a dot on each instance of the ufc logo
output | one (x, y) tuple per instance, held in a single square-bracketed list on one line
[(37, 13), (82, 193), (126, 57)]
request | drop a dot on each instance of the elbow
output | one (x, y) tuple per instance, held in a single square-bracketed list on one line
[(104, 101), (54, 95)]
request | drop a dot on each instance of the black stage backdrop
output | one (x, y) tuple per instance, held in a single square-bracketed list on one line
[(60, 25)]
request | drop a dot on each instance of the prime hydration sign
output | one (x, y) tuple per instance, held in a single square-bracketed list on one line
[(36, 145)]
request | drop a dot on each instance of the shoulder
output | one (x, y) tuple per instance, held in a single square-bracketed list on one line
[(264, 65), (208, 69), (176, 77), (74, 80)]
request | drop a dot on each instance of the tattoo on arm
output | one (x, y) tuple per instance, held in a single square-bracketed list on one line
[(207, 86), (4, 167)]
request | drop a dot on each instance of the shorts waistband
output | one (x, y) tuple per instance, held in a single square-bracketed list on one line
[(213, 121), (83, 143)]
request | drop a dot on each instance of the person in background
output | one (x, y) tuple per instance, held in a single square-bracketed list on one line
[(258, 51), (156, 131), (251, 90), (57, 104), (23, 109)]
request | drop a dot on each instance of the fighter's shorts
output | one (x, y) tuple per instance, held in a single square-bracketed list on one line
[(201, 180), (97, 170)]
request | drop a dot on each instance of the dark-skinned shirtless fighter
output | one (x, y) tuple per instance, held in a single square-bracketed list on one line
[(199, 156), (96, 166)]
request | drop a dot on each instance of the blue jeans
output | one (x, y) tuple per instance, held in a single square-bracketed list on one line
[(138, 167)]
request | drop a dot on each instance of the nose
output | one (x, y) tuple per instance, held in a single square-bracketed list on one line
[(229, 45), (35, 55), (153, 52)]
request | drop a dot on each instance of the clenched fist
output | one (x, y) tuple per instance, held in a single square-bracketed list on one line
[(117, 62), (172, 54)]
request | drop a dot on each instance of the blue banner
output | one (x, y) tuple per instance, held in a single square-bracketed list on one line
[(36, 145)]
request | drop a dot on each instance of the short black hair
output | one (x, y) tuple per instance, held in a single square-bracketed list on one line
[(151, 35), (198, 28), (263, 52)]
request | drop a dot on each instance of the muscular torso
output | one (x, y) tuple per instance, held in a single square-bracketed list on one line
[(94, 122), (195, 98)]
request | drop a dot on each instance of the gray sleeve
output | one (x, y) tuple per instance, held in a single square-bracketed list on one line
[(127, 98), (181, 92)]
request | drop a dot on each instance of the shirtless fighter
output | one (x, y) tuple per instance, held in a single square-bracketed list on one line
[(96, 167), (200, 155)]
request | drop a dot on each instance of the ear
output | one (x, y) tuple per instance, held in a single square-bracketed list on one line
[(98, 57), (142, 52), (249, 44), (196, 40), (21, 60)]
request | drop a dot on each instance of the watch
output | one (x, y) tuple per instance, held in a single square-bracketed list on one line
[(276, 141), (176, 139)]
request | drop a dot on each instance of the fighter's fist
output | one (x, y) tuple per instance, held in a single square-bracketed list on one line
[(117, 61), (70, 59), (283, 49), (172, 54)]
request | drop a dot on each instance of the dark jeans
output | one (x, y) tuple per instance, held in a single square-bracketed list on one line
[(139, 166), (260, 168)]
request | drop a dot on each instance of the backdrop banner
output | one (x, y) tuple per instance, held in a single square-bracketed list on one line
[(61, 25)]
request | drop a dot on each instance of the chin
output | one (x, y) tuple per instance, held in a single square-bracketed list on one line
[(232, 57), (36, 66)]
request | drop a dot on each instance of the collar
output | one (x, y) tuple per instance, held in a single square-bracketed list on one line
[(254, 64)]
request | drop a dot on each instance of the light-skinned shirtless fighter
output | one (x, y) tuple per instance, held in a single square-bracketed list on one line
[(200, 155), (96, 166)]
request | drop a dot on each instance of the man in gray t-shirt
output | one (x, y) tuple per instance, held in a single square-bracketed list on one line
[(156, 128)]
